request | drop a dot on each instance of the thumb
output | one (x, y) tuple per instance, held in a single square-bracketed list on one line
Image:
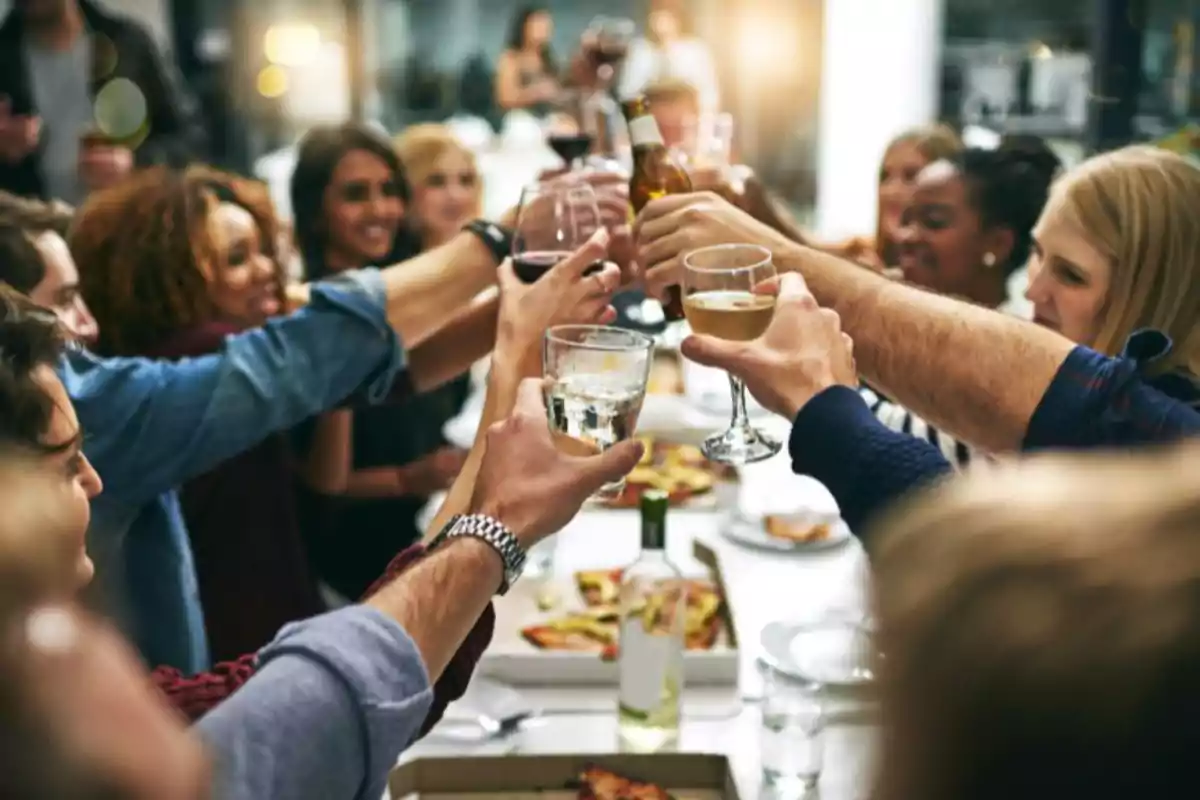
[(506, 277), (611, 465), (711, 352)]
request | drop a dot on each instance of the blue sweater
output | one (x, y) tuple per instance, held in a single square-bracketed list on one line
[(1094, 401)]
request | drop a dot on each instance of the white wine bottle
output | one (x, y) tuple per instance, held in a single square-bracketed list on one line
[(653, 608)]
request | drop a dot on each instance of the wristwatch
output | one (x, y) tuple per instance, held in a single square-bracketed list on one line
[(497, 238), (492, 531)]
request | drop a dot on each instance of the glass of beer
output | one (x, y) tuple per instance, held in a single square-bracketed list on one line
[(723, 297), (595, 382)]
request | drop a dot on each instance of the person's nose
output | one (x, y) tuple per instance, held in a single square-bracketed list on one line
[(86, 328), (1038, 290), (90, 479)]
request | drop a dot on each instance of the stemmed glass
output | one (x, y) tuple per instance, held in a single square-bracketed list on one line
[(555, 218), (611, 36), (572, 131), (723, 297)]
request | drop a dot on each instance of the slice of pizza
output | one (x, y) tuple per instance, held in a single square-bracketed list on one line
[(782, 527), (597, 783), (599, 587)]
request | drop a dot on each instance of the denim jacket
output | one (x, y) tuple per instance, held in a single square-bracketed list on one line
[(151, 425)]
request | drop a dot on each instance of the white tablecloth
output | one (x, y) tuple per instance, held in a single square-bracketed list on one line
[(762, 587)]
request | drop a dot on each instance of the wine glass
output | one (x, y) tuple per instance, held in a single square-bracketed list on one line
[(554, 219), (722, 298), (611, 36), (571, 130)]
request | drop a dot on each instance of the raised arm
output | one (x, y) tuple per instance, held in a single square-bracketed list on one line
[(973, 372), (153, 425), (337, 698)]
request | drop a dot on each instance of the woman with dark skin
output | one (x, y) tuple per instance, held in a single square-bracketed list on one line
[(350, 197)]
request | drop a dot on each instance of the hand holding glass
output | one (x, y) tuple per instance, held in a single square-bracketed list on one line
[(722, 298), (595, 382)]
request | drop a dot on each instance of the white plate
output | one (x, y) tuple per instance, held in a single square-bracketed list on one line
[(830, 653), (749, 531)]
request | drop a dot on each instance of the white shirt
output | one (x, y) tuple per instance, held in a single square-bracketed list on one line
[(687, 60)]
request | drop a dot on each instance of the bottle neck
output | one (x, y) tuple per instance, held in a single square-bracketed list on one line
[(654, 536), (644, 132)]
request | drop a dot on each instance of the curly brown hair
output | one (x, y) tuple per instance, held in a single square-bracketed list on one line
[(145, 253)]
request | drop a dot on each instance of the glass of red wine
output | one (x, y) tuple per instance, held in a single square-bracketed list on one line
[(555, 218), (612, 36), (569, 134)]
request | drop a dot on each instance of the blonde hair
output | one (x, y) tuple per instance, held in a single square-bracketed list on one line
[(1040, 630), (933, 142), (420, 147), (1137, 206)]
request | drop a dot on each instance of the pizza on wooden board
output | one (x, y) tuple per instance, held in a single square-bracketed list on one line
[(597, 783)]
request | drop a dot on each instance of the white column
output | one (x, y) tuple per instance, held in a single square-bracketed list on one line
[(880, 74)]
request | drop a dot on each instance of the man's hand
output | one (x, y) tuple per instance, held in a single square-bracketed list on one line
[(530, 485), (102, 165), (802, 352), (670, 227), (562, 296), (19, 133)]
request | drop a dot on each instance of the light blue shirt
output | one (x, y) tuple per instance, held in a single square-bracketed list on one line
[(150, 426), (334, 702)]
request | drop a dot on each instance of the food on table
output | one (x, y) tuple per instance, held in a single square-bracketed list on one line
[(796, 530), (595, 628), (597, 783), (680, 470)]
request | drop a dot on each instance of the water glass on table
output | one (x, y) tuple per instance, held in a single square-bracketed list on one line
[(595, 382), (792, 736), (723, 297)]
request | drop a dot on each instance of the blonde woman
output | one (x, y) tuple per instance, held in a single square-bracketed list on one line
[(1041, 623), (444, 180), (1113, 253)]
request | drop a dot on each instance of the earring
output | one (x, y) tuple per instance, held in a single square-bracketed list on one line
[(989, 260)]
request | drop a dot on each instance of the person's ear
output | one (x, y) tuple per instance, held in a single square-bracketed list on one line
[(999, 243)]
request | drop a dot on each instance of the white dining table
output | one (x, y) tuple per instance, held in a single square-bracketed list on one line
[(762, 587)]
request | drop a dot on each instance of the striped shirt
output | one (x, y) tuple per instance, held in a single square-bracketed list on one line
[(898, 418)]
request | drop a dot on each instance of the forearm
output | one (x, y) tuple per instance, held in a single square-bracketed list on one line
[(505, 377), (468, 571), (457, 345), (326, 467), (376, 482), (973, 372), (424, 291)]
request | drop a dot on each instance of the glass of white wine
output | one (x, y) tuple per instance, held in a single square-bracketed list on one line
[(723, 297)]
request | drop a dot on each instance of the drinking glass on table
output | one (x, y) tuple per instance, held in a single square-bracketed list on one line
[(554, 219), (723, 297), (595, 380), (792, 736)]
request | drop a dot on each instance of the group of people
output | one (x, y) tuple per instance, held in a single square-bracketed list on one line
[(213, 429)]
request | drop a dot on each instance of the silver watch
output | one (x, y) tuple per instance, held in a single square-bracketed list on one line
[(496, 534)]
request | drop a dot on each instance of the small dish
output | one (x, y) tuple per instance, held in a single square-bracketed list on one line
[(833, 653), (751, 531)]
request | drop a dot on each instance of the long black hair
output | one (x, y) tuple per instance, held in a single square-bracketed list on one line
[(516, 35), (1009, 186), (318, 154)]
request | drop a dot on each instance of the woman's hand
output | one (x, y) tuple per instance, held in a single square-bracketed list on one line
[(433, 472), (564, 295)]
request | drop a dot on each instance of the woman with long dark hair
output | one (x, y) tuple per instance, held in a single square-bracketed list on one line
[(350, 198), (526, 75)]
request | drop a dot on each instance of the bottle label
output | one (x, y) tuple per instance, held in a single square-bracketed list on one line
[(644, 130), (647, 664)]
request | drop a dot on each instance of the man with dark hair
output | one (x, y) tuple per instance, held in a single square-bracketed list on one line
[(84, 94), (35, 260), (334, 699)]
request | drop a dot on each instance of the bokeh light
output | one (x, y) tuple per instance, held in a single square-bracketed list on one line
[(120, 109), (272, 81), (291, 45)]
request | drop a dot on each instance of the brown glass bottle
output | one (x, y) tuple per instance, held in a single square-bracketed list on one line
[(655, 174)]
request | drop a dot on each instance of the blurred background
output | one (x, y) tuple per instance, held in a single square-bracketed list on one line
[(814, 84)]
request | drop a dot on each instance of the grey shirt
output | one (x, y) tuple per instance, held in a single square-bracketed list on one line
[(335, 700), (60, 80)]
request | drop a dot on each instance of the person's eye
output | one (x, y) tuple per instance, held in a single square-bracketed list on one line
[(391, 189), (74, 465), (238, 256), (1069, 275), (883, 176), (436, 181), (357, 192), (468, 180)]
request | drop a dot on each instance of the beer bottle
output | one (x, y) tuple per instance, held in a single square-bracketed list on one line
[(655, 174)]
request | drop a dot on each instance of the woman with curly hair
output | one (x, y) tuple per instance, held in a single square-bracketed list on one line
[(171, 263)]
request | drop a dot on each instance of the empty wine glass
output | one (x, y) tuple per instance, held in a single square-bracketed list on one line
[(555, 218), (723, 297)]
